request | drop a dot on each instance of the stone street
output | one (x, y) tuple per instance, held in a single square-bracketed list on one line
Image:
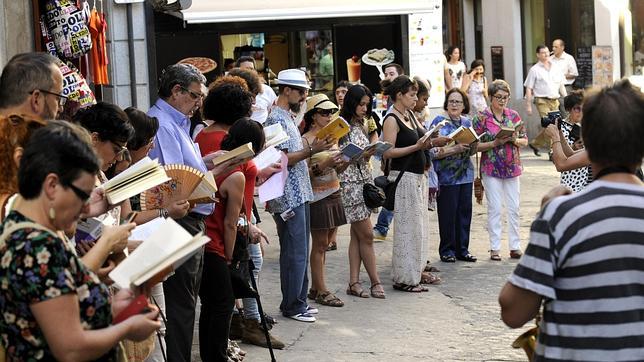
[(458, 320)]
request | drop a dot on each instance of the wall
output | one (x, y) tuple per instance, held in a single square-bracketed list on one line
[(16, 32), (118, 53), (607, 28)]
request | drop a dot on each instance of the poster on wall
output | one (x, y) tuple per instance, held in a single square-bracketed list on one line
[(602, 66), (426, 58)]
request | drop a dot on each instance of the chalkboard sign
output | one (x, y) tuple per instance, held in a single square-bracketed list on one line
[(497, 62), (584, 67)]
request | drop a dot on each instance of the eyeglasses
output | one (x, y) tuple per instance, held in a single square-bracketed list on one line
[(82, 195), (501, 98), (194, 95), (454, 101), (576, 108), (325, 112), (61, 98), (119, 150)]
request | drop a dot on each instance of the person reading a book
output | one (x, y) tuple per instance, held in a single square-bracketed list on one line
[(502, 136), (402, 129), (357, 106), (327, 212), (44, 285), (455, 176)]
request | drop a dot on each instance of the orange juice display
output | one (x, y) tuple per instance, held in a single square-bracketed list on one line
[(353, 69)]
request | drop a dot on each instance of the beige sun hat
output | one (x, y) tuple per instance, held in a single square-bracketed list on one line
[(320, 101)]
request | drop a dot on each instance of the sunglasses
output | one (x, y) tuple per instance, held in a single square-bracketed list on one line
[(325, 112), (82, 195), (194, 95), (119, 150), (61, 98), (501, 98)]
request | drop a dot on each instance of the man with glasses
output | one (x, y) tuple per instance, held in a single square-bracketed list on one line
[(32, 84), (180, 95)]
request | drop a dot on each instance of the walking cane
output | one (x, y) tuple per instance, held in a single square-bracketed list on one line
[(262, 316)]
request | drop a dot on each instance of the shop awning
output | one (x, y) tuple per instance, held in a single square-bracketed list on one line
[(217, 11)]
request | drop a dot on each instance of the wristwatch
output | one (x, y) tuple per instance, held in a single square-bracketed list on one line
[(163, 213)]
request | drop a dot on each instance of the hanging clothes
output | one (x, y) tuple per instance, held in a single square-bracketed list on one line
[(99, 60)]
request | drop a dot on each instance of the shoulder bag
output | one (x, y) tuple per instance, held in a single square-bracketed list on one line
[(372, 195), (478, 184)]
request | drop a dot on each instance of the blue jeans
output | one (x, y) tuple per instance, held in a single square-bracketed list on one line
[(384, 220), (250, 304), (454, 219), (294, 235)]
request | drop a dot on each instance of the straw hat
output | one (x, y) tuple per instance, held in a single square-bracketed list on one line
[(320, 101)]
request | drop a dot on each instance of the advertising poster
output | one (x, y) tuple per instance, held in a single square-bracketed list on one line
[(426, 58), (602, 66)]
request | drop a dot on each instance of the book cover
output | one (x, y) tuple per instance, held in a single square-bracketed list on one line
[(505, 132), (238, 156), (335, 129), (351, 151), (137, 178), (274, 135), (464, 135)]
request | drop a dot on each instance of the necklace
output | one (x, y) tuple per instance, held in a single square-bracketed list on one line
[(402, 114)]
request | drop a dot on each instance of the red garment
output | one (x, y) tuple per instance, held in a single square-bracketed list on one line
[(99, 61), (209, 142)]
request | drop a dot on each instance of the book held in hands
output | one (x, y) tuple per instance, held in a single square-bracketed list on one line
[(137, 178), (505, 132), (335, 129), (274, 135), (464, 135), (352, 151), (169, 245), (238, 156)]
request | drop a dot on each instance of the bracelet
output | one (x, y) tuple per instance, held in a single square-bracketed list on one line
[(553, 142), (310, 151)]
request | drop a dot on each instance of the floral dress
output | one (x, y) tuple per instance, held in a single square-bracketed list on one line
[(36, 266), (352, 180)]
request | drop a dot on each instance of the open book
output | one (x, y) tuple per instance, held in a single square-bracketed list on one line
[(187, 183), (464, 135), (352, 151), (238, 156), (274, 135), (334, 129), (505, 132), (169, 245), (137, 178)]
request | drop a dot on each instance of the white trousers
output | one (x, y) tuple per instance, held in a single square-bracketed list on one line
[(497, 192)]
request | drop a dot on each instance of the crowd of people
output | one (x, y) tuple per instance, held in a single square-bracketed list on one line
[(53, 171)]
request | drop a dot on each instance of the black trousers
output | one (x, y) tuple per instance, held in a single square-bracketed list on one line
[(217, 302), (181, 291)]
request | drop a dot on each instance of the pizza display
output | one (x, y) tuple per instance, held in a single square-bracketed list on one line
[(204, 64)]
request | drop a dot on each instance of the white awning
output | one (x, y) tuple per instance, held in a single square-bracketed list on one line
[(218, 11)]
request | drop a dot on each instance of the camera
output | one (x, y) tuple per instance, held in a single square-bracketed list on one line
[(551, 118)]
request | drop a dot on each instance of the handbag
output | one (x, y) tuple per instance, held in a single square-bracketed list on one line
[(238, 268), (373, 196), (478, 184)]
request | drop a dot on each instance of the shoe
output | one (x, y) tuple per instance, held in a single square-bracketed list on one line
[(311, 310), (377, 235), (329, 299), (448, 259), (332, 246), (494, 255), (303, 317), (535, 150), (236, 326), (357, 292), (254, 334), (515, 254), (468, 257), (410, 288), (312, 294), (378, 294)]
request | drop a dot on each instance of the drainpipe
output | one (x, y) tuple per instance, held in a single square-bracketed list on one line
[(130, 46)]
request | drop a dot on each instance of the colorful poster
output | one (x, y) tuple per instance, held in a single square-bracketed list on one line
[(426, 58), (602, 66)]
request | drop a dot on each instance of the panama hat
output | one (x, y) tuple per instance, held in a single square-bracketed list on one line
[(320, 101), (293, 78)]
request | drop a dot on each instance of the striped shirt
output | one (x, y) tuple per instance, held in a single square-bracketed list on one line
[(586, 258)]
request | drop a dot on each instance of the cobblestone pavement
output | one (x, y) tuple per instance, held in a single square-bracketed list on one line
[(455, 321)]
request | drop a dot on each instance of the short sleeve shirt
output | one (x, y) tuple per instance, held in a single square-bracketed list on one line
[(36, 266), (503, 161), (297, 190), (544, 82), (456, 169)]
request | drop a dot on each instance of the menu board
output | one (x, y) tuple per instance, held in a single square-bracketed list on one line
[(602, 66), (426, 58), (584, 67), (497, 62)]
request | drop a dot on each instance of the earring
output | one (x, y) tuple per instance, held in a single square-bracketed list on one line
[(52, 213)]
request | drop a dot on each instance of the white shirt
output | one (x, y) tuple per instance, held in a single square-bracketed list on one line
[(566, 63), (545, 83), (263, 102)]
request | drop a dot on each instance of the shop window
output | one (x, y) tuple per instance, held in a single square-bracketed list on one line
[(637, 13)]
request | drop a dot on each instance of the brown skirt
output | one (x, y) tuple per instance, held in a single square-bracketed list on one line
[(327, 213)]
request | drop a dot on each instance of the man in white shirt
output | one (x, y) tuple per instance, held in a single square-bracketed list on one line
[(545, 83), (566, 63), (264, 100)]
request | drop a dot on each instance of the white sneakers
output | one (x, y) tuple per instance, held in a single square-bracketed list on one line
[(306, 316)]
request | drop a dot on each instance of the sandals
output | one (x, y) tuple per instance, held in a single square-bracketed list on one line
[(430, 269), (329, 299), (515, 254), (410, 288), (313, 294), (357, 293), (494, 255), (332, 246), (378, 294), (467, 257), (429, 278), (448, 259)]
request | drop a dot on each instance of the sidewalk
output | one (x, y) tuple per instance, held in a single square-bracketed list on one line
[(455, 321)]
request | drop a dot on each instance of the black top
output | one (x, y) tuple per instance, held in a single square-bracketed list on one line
[(408, 137)]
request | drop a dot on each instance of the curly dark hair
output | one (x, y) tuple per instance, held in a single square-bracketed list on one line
[(109, 121), (227, 102)]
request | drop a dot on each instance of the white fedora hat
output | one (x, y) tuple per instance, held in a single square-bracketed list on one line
[(293, 77)]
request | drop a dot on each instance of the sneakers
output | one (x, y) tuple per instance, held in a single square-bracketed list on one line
[(377, 235), (254, 334), (311, 310), (303, 317)]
